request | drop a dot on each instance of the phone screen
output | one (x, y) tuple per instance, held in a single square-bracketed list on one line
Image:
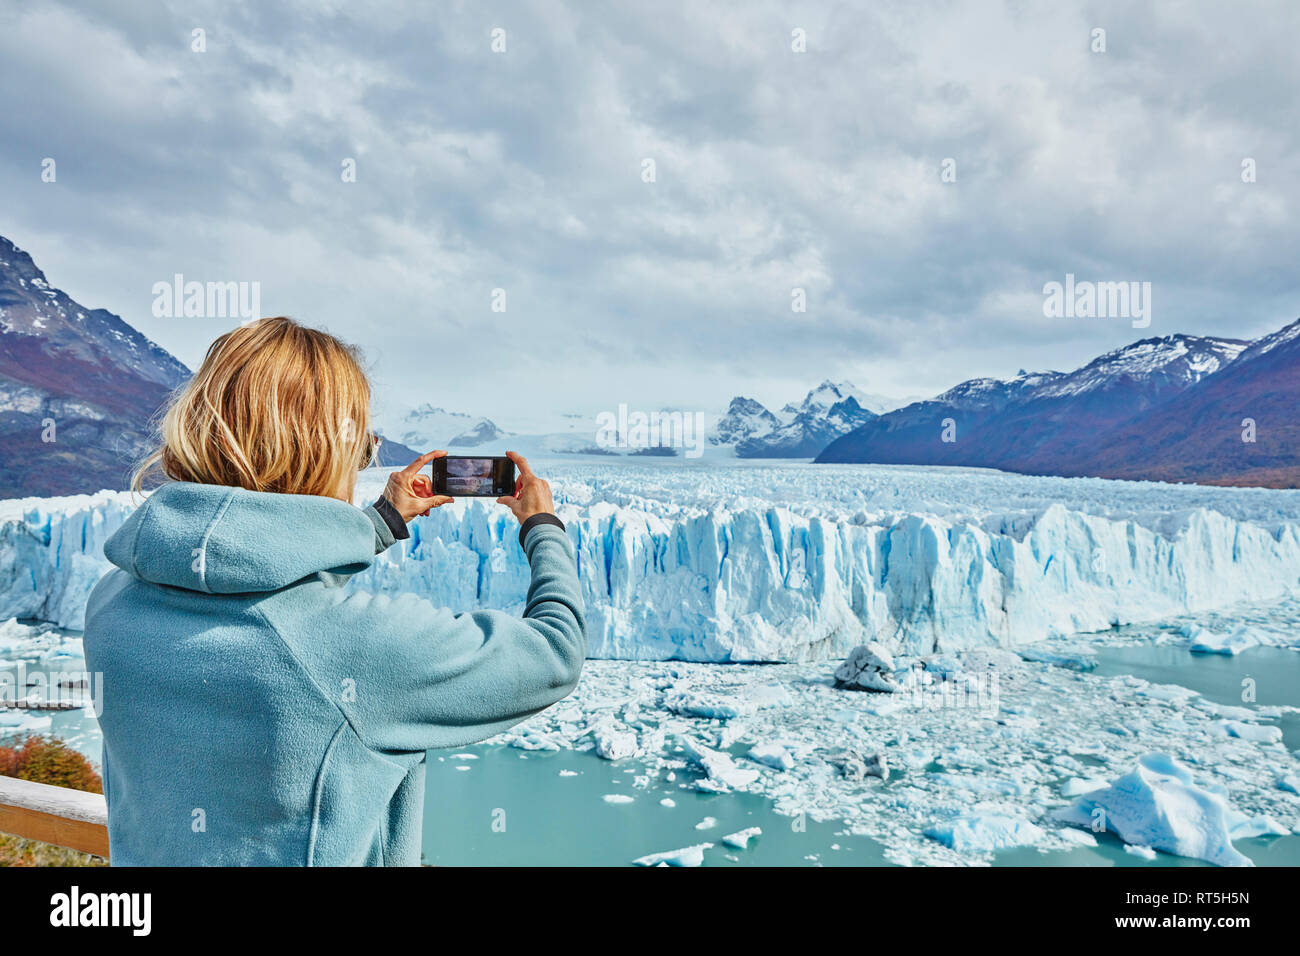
[(465, 476)]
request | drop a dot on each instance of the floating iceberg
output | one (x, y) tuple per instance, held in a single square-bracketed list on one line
[(1075, 660), (1158, 805), (686, 856), (856, 766), (705, 704), (740, 839), (613, 743), (868, 667), (1203, 641), (1079, 785), (18, 723), (18, 639), (772, 755), (984, 832), (1260, 733), (721, 772)]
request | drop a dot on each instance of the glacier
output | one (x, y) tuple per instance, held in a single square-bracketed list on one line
[(801, 563), (52, 553)]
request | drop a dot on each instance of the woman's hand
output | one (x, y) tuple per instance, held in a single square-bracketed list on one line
[(532, 495), (411, 493)]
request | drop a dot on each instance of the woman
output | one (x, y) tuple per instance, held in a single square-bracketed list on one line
[(254, 710)]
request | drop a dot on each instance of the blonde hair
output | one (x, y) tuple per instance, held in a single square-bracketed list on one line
[(274, 407)]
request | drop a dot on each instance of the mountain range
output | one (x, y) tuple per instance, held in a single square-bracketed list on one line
[(797, 431), (78, 387), (1239, 426), (1175, 408), (428, 427)]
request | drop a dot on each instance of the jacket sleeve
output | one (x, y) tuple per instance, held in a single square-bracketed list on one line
[(409, 676), (389, 526)]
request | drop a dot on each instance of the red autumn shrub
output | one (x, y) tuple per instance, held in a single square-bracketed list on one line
[(49, 760)]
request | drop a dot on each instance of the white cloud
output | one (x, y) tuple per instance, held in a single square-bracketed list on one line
[(775, 170)]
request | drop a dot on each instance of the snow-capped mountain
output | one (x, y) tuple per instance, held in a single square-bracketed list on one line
[(745, 419), (1042, 423), (1237, 426), (798, 431), (78, 387), (983, 393), (34, 313), (1283, 337), (828, 394), (428, 427), (1174, 361)]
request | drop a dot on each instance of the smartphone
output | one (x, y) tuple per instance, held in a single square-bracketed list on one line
[(462, 476)]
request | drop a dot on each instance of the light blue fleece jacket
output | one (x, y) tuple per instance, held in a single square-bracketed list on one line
[(255, 713)]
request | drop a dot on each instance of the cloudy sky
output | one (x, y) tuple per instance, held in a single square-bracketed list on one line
[(522, 170)]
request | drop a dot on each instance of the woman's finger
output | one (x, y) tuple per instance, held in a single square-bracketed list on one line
[(521, 463), (420, 462)]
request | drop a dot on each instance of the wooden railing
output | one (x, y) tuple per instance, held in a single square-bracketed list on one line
[(69, 818)]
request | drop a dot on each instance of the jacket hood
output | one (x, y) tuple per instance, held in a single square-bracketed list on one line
[(221, 540)]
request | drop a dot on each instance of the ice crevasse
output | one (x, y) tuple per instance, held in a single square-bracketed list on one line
[(759, 584)]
